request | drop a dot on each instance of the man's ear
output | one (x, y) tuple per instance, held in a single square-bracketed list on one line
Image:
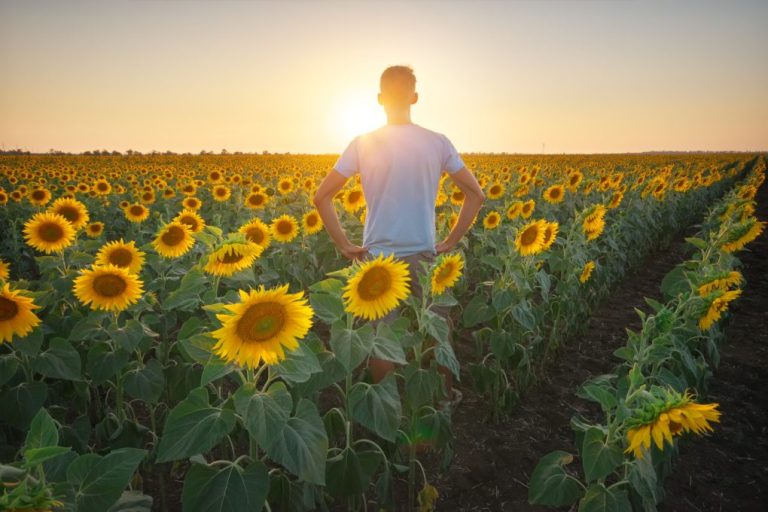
[(415, 98)]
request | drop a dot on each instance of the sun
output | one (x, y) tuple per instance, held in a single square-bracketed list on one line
[(356, 114)]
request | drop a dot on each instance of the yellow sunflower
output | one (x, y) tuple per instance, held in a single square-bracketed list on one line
[(5, 270), (722, 282), (221, 193), (136, 212), (102, 187), (742, 233), (530, 238), (312, 222), (446, 272), (514, 210), (194, 221), (121, 254), (191, 203), (285, 186), (262, 326), (174, 240), (491, 220), (377, 287), (39, 197), (16, 316), (554, 194), (495, 191), (586, 272), (354, 199), (257, 232), (232, 257), (716, 307), (284, 228), (527, 209), (72, 210), (256, 200), (108, 287), (94, 229), (550, 234), (49, 232)]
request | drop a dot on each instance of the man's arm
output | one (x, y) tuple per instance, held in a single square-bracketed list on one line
[(473, 200), (323, 201)]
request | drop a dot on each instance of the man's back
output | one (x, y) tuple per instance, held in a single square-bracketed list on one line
[(400, 167)]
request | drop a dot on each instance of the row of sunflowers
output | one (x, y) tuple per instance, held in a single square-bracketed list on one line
[(172, 319)]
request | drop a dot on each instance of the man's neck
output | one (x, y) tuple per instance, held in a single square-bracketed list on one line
[(399, 116)]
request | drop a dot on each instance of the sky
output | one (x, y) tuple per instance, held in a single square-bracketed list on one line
[(301, 76)]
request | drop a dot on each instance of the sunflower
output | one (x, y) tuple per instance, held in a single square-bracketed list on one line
[(354, 199), (108, 287), (717, 305), (550, 234), (457, 197), (311, 222), (256, 200), (121, 254), (284, 228), (94, 229), (446, 272), (102, 187), (194, 221), (554, 194), (136, 213), (72, 210), (514, 210), (174, 240), (257, 232), (376, 287), (616, 199), (221, 193), (527, 209), (721, 282), (574, 180), (39, 196), (495, 191), (191, 203), (742, 233), (285, 186), (49, 232), (5, 270), (530, 238), (586, 272), (232, 257), (262, 326), (491, 220), (16, 316), (667, 417)]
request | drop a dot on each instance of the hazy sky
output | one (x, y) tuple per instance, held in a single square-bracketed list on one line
[(302, 76)]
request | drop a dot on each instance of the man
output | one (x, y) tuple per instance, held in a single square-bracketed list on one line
[(400, 165)]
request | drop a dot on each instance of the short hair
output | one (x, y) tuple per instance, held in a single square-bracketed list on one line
[(398, 82)]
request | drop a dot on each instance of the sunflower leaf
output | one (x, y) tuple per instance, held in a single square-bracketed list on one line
[(550, 484), (600, 499), (228, 489), (377, 406), (598, 458), (264, 413), (351, 346), (302, 445)]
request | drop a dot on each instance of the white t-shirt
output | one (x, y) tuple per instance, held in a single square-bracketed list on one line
[(400, 167)]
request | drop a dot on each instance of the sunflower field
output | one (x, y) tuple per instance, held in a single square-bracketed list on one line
[(179, 332)]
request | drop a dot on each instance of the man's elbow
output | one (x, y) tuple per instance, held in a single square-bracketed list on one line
[(317, 199), (480, 196)]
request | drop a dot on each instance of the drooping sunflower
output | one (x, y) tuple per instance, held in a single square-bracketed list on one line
[(284, 228), (192, 219), (530, 238), (446, 272), (377, 287), (108, 287), (741, 234), (594, 221), (232, 257), (586, 272), (257, 232), (174, 240), (16, 315), (94, 229), (5, 270), (136, 213), (262, 326), (721, 282), (311, 222), (554, 194), (672, 414), (718, 303), (491, 220), (550, 234), (49, 232), (121, 254), (221, 193), (72, 210)]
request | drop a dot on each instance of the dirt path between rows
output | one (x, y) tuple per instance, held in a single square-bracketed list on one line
[(493, 462)]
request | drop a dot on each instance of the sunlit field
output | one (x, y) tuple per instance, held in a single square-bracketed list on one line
[(180, 331)]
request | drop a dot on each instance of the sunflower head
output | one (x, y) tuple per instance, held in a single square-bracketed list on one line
[(72, 210), (376, 287), (136, 212), (312, 223), (257, 232), (108, 288), (94, 229), (491, 220), (530, 238), (586, 272), (5, 270), (262, 326), (192, 219), (49, 232), (446, 273), (233, 256), (174, 240), (16, 314), (554, 194), (121, 254), (284, 228)]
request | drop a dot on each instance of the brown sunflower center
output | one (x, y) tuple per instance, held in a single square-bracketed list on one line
[(554, 193), (70, 213), (261, 322), (38, 195), (8, 309), (109, 285), (574, 179), (231, 257), (255, 235), (285, 185), (529, 236), (121, 257), (256, 199), (495, 190), (284, 227), (375, 283), (137, 211), (173, 236), (189, 221), (51, 232), (311, 221), (445, 272), (94, 228), (548, 233), (102, 187), (221, 192), (354, 196)]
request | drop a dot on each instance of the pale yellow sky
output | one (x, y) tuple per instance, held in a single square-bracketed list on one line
[(577, 76)]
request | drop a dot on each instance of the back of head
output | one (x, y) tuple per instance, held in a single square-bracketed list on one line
[(398, 86)]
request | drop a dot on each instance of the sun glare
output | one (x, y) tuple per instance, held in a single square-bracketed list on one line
[(357, 114)]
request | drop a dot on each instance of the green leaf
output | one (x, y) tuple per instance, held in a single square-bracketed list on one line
[(331, 286), (598, 393), (477, 312), (264, 414), (302, 446), (436, 326), (130, 336), (99, 481), (386, 345), (344, 474), (193, 426), (598, 458), (225, 489), (351, 346), (187, 296), (8, 367), (104, 363), (600, 499), (146, 383), (198, 348), (215, 368), (42, 432), (377, 406), (697, 242), (445, 356), (299, 365), (550, 484), (132, 501), (420, 386), (60, 361), (329, 308), (643, 479), (36, 456), (20, 404)]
